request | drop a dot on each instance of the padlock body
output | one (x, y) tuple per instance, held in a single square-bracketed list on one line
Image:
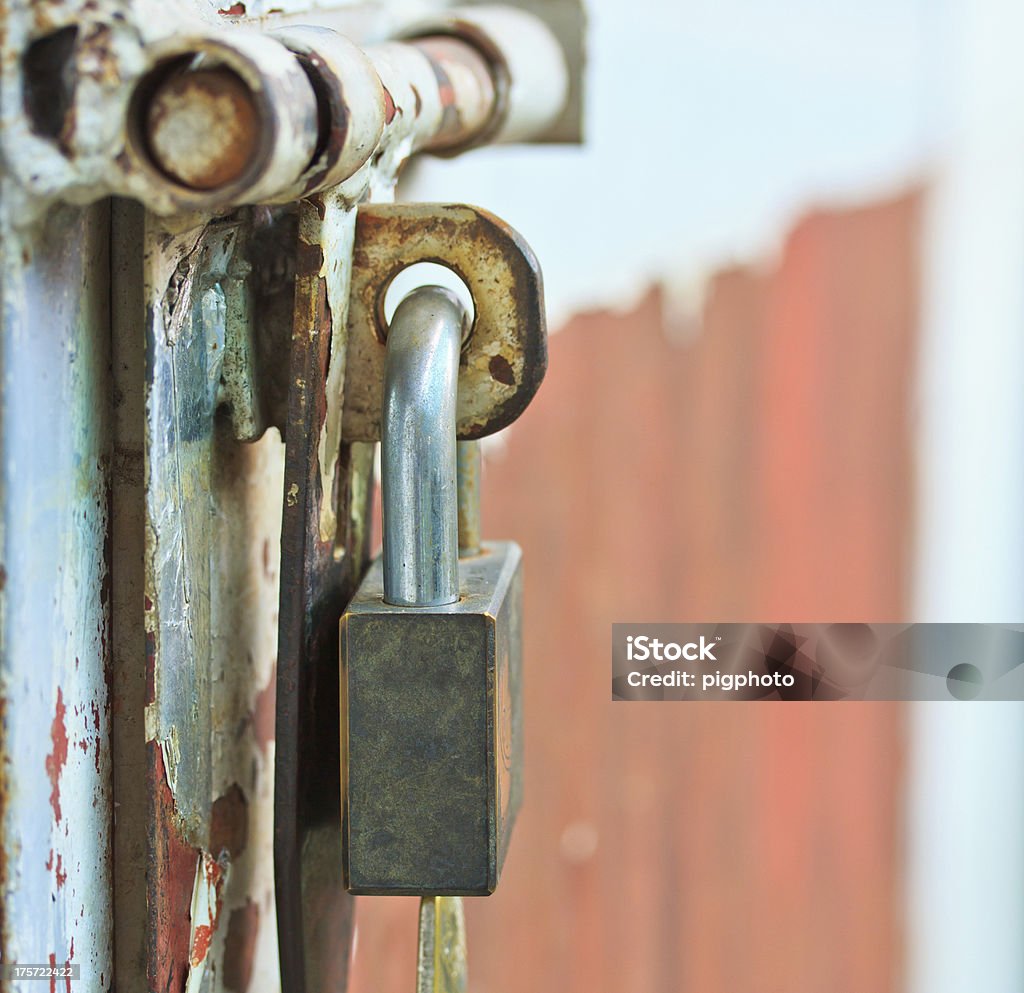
[(431, 742)]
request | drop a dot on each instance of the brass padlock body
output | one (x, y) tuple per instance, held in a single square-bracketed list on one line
[(431, 732)]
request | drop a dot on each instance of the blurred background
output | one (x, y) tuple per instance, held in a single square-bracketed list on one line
[(785, 278)]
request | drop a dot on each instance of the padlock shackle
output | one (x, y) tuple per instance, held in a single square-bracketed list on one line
[(418, 450)]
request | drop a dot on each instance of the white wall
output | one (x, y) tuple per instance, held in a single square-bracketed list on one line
[(966, 804), (710, 124)]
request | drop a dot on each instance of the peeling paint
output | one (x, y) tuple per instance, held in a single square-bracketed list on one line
[(58, 757), (204, 915)]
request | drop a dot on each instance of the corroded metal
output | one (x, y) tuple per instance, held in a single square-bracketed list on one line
[(432, 732), (218, 121), (351, 103), (202, 127), (157, 102), (194, 625), (441, 957), (469, 98), (55, 562), (526, 63), (505, 356), (324, 548)]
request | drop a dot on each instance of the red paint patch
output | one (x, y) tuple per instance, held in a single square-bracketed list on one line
[(201, 943), (240, 946), (58, 757), (264, 713), (229, 823), (389, 107)]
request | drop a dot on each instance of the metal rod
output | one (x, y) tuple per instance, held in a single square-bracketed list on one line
[(418, 453), (469, 498)]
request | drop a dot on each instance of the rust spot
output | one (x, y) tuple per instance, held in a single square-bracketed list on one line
[(309, 259), (235, 10), (201, 943), (229, 823), (264, 713), (266, 558), (203, 127), (501, 371), (389, 107), (56, 759), (240, 946), (59, 872), (148, 604)]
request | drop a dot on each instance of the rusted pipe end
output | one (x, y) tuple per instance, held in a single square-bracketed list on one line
[(203, 127), (524, 60), (469, 100)]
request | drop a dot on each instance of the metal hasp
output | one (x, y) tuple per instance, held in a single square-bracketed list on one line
[(505, 356), (418, 450), (430, 672)]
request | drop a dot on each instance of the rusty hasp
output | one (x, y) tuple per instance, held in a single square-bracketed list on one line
[(505, 357)]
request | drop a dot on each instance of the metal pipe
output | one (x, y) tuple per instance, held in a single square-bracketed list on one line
[(418, 450), (469, 498), (219, 121)]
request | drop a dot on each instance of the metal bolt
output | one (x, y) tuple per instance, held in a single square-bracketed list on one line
[(203, 128)]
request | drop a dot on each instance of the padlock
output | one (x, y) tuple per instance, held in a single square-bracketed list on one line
[(430, 649)]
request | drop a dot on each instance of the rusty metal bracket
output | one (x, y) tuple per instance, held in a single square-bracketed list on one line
[(503, 361)]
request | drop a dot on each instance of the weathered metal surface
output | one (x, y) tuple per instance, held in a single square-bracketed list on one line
[(441, 956), (201, 511), (55, 447), (323, 554), (217, 121), (432, 732), (160, 103), (202, 127), (469, 98), (195, 520), (526, 61), (505, 357), (351, 106)]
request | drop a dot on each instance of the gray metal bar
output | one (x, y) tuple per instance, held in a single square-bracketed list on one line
[(418, 453)]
